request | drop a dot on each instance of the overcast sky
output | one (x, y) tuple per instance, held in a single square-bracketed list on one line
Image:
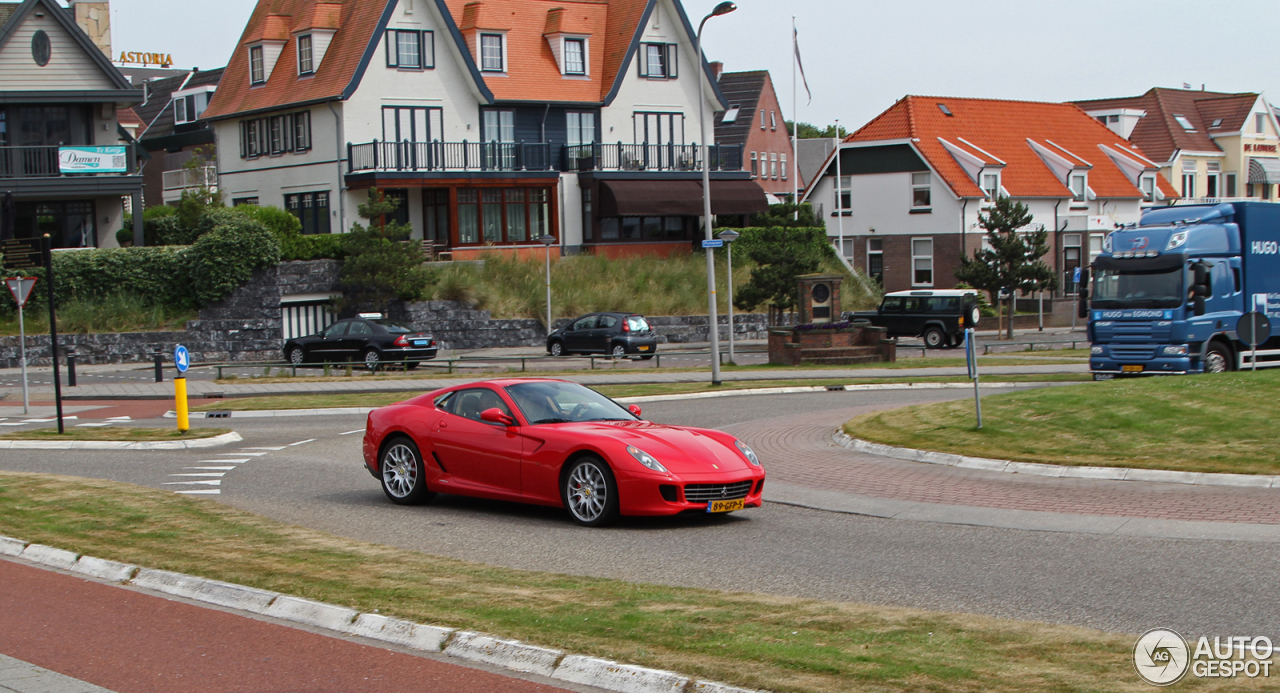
[(860, 57)]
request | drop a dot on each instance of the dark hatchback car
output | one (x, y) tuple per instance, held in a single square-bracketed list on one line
[(939, 317), (371, 340), (618, 334)]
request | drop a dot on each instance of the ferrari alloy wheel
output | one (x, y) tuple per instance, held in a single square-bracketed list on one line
[(371, 359), (590, 493), (296, 356), (403, 475)]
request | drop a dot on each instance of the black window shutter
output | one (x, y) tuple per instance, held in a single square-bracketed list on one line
[(672, 70), (392, 49)]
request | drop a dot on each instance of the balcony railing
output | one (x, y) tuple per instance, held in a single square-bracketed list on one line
[(188, 178), (44, 162), (536, 156)]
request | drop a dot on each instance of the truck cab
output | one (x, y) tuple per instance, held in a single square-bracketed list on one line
[(1167, 292)]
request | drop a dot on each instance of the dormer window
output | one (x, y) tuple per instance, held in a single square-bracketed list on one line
[(306, 62), (257, 66), (575, 56), (731, 115), (1148, 184), (991, 186), (1185, 123), (492, 53), (1079, 187)]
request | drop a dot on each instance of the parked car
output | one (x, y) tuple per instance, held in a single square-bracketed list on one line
[(618, 334), (939, 317), (593, 457), (369, 338)]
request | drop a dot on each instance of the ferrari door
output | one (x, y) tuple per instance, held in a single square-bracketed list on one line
[(475, 452)]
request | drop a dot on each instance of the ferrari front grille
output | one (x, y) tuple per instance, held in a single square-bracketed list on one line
[(701, 493)]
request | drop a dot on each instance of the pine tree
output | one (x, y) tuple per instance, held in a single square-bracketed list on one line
[(1013, 263)]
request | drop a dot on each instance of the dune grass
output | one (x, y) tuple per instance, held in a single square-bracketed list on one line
[(1206, 423), (753, 640), (122, 312)]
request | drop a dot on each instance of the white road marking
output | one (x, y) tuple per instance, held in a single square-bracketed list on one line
[(212, 482), (251, 454), (300, 442), (264, 448), (119, 418), (202, 492), (92, 425), (240, 461), (204, 474), (19, 423), (210, 468), (358, 430)]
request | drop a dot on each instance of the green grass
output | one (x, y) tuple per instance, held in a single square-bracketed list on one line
[(112, 433), (379, 399), (1209, 423), (753, 640), (510, 287), (117, 313)]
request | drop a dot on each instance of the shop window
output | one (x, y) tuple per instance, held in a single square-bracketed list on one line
[(312, 210), (503, 215)]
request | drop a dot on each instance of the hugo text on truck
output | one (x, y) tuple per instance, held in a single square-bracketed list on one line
[(1166, 293)]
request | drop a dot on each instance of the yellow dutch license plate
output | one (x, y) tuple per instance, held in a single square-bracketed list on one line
[(724, 506), (1132, 369), (644, 348)]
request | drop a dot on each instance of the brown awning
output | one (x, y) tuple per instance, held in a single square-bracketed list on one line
[(679, 197)]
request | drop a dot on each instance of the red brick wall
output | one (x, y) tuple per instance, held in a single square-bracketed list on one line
[(771, 141), (897, 259)]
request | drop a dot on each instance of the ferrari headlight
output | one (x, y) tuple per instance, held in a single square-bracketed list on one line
[(646, 459), (747, 452)]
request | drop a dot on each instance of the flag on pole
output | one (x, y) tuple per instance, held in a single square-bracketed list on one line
[(795, 40)]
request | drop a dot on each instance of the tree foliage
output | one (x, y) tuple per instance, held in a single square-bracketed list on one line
[(381, 265), (811, 131), (1012, 264), (780, 255)]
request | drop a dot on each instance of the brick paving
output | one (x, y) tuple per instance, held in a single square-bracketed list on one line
[(798, 449)]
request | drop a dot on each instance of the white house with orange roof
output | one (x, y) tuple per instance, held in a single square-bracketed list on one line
[(494, 122), (912, 182)]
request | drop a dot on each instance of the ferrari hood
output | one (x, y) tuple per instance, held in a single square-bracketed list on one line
[(681, 450)]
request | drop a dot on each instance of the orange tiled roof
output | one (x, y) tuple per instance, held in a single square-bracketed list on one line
[(322, 15), (995, 131), (1160, 135)]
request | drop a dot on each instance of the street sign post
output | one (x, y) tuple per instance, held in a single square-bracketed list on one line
[(971, 360), (1253, 328), (713, 243), (181, 361), (21, 253), (21, 288)]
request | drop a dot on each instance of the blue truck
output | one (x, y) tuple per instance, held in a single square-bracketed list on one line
[(1166, 293)]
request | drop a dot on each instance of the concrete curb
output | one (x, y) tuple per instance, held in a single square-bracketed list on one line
[(468, 645), (213, 442), (1053, 470), (273, 413)]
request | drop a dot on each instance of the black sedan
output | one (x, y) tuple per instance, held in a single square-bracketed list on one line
[(368, 338), (617, 334)]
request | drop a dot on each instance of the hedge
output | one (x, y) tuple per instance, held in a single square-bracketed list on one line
[(755, 237), (185, 277)]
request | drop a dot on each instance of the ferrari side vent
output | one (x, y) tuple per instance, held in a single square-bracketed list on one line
[(437, 459), (759, 487), (668, 492)]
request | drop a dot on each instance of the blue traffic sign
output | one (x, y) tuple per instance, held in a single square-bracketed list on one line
[(181, 358), (1075, 276), (717, 243)]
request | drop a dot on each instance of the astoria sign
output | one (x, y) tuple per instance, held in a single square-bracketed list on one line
[(144, 59)]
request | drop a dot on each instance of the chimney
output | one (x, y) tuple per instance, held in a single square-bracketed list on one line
[(95, 19), (716, 68)]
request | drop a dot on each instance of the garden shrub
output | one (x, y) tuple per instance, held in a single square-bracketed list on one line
[(227, 256)]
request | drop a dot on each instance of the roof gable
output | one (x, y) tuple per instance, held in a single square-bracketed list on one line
[(75, 63)]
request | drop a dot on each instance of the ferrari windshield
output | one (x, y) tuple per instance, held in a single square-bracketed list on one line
[(1116, 288), (553, 402)]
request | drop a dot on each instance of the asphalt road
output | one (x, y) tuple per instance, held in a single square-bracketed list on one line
[(1110, 583)]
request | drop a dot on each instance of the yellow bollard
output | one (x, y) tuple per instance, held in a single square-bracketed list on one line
[(180, 395)]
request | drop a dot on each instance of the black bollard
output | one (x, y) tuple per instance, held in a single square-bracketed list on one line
[(71, 366), (159, 365)]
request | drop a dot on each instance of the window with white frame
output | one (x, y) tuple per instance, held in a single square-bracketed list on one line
[(1184, 122), (922, 262), (1079, 187), (763, 125), (921, 190), (773, 120), (257, 66), (1229, 184), (991, 186), (189, 107), (658, 60), (755, 165), (491, 53), (1260, 123), (1189, 167), (410, 49), (306, 64), (1148, 184), (575, 56), (1213, 171), (275, 135), (875, 259), (782, 165), (844, 198), (773, 166), (412, 124)]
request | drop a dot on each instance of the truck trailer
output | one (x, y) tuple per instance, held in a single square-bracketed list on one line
[(1165, 294)]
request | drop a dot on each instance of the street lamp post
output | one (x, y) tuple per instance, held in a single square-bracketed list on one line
[(548, 240), (722, 8), (729, 236)]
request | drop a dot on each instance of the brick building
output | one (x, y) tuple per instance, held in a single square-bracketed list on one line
[(754, 121)]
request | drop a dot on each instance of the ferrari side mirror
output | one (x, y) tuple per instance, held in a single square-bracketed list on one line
[(495, 415), (634, 410)]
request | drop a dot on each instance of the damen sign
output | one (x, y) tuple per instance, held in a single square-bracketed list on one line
[(109, 159)]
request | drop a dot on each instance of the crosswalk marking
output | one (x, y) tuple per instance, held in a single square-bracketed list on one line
[(202, 492), (93, 425), (358, 430), (251, 454), (210, 468), (239, 461), (215, 474), (300, 442), (265, 448), (211, 482)]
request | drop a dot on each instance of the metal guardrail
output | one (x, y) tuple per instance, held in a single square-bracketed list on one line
[(465, 362)]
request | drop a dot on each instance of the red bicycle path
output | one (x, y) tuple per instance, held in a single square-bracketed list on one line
[(133, 642)]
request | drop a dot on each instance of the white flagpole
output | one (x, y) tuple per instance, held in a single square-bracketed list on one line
[(839, 197), (795, 126)]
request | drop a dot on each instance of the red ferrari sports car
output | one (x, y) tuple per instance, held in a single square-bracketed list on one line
[(555, 443)]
